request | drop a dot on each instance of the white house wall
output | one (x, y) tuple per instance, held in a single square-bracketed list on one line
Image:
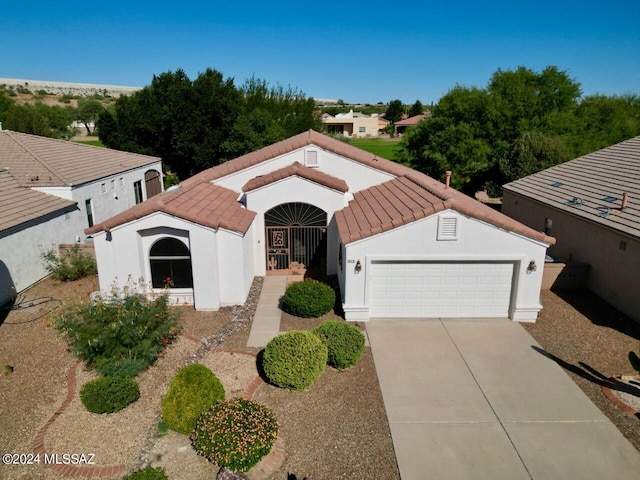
[(357, 175), (477, 241), (118, 196), (292, 189), (218, 278), (22, 250)]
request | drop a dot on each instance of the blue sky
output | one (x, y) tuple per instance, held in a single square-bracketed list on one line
[(357, 51)]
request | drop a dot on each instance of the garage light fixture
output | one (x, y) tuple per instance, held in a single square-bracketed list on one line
[(532, 266), (358, 267)]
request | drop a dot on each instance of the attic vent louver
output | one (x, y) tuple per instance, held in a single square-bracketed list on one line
[(557, 184), (311, 158), (447, 228)]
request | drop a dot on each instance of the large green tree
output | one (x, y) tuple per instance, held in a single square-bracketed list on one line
[(394, 112), (89, 109), (522, 122), (193, 125)]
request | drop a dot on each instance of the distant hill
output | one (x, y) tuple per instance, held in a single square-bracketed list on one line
[(66, 88)]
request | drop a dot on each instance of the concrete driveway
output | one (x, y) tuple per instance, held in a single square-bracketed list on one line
[(473, 399)]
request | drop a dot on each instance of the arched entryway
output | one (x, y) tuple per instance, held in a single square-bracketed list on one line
[(296, 237)]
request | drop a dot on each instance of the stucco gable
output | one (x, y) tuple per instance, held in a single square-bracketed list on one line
[(297, 169), (409, 198), (204, 203)]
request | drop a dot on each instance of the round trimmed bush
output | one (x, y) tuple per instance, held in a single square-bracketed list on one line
[(308, 299), (192, 391), (109, 394), (235, 434), (294, 360), (345, 343)]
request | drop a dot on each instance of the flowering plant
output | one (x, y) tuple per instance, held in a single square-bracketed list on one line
[(235, 434)]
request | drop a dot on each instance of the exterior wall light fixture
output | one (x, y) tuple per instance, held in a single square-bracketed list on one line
[(532, 266), (358, 267)]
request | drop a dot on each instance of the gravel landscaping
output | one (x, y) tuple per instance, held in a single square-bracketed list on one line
[(336, 429)]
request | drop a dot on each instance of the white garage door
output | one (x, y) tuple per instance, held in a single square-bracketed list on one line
[(440, 289)]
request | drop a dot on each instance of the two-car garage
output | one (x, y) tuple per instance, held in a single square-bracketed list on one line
[(429, 289)]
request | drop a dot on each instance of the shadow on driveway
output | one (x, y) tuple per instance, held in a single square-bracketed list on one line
[(592, 375)]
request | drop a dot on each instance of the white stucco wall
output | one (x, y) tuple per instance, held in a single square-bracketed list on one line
[(288, 190), (357, 175), (219, 268), (477, 241), (118, 196), (21, 250)]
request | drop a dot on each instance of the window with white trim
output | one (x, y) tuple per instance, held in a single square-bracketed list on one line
[(448, 227)]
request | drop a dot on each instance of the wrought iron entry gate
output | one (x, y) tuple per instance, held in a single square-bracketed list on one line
[(295, 236)]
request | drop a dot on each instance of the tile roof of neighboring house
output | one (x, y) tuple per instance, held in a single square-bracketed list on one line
[(297, 169), (429, 190), (46, 162), (412, 197), (592, 187), (204, 203), (407, 122), (20, 205)]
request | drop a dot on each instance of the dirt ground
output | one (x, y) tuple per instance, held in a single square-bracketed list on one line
[(337, 429)]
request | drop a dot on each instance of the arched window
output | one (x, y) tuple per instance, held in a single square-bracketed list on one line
[(170, 261)]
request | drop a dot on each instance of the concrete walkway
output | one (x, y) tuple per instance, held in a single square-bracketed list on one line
[(473, 399), (266, 321)]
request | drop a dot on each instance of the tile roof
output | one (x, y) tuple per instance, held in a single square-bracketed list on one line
[(297, 169), (592, 187), (411, 197), (203, 203), (20, 205), (288, 145), (407, 122), (429, 191), (45, 162)]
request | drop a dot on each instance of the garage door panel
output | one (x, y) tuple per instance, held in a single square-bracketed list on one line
[(440, 289)]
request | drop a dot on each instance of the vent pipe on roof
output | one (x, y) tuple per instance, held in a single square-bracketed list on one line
[(447, 181), (625, 200)]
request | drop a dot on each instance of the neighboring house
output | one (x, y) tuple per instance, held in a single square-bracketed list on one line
[(401, 243), (354, 124), (52, 190), (402, 125), (592, 206)]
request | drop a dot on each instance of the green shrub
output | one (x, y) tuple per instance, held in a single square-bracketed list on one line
[(235, 434), (192, 391), (71, 265), (294, 360), (344, 342), (308, 299), (119, 337), (147, 473), (109, 394)]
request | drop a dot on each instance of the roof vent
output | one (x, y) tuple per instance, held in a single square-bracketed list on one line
[(447, 227), (604, 211), (575, 201), (557, 184), (311, 158)]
